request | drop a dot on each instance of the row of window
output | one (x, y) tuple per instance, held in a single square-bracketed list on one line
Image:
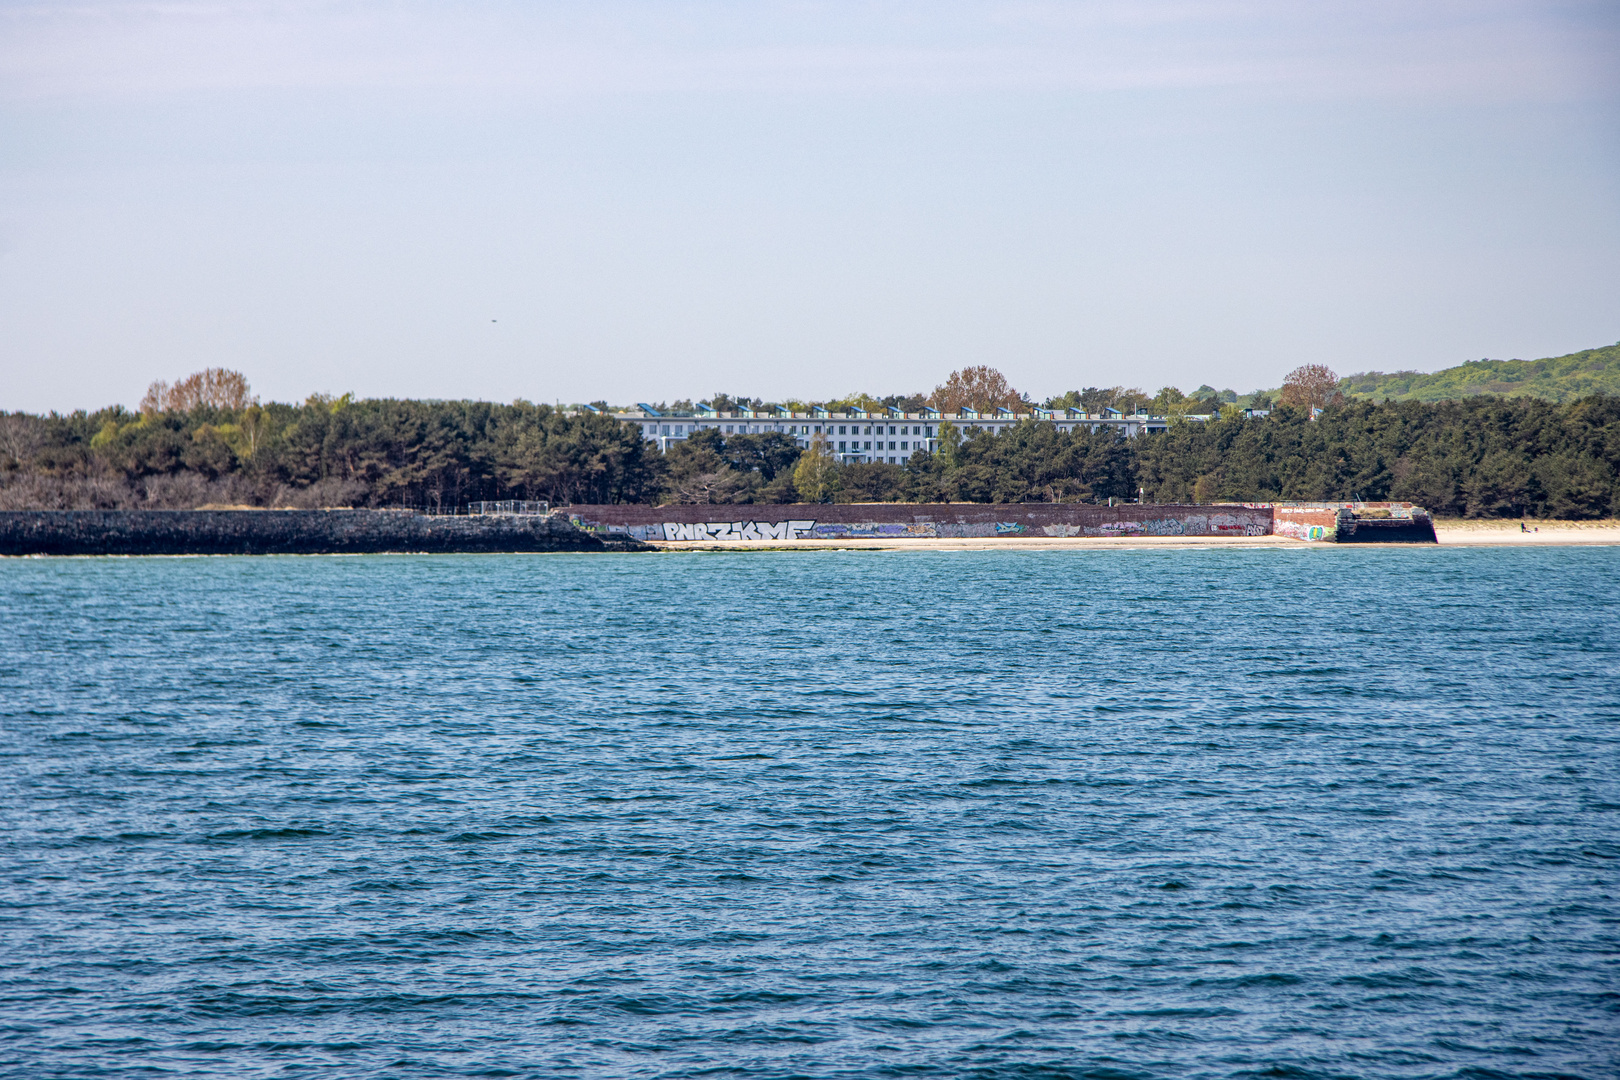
[(855, 429), (798, 429), (730, 429), (804, 430), (855, 448)]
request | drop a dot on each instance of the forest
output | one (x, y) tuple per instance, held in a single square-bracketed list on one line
[(1555, 378), (1483, 456)]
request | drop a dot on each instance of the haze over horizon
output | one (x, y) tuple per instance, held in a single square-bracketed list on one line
[(644, 201)]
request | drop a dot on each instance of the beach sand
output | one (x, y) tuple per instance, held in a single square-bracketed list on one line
[(1452, 533), (1459, 532)]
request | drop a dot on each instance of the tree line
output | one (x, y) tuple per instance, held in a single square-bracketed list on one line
[(1555, 378), (1479, 457)]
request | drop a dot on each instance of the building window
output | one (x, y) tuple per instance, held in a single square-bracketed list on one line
[(904, 445), (930, 433), (666, 429), (728, 429), (869, 446), (818, 429), (891, 429), (842, 447)]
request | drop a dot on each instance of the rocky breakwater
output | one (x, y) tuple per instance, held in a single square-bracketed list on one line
[(288, 532)]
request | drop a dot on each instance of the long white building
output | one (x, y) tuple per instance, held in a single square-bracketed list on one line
[(887, 435)]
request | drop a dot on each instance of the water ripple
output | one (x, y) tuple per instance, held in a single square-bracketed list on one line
[(1315, 813)]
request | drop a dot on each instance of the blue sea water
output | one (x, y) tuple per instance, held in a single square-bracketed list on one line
[(1331, 812)]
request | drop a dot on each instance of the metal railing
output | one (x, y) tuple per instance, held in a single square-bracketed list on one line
[(509, 507), (485, 508)]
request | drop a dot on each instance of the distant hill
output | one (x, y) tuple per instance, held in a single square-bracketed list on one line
[(1557, 378)]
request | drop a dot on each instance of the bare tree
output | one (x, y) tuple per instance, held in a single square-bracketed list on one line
[(701, 488), (21, 436), (218, 387), (1311, 386), (981, 388)]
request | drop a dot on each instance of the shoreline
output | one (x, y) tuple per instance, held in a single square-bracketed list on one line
[(184, 534), (1450, 534)]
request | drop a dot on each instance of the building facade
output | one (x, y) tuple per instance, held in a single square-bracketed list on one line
[(888, 435)]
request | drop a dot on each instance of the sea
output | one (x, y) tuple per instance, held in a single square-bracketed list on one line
[(1316, 812)]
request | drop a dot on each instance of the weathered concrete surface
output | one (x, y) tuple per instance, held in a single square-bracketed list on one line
[(286, 532), (1355, 522), (1354, 529), (882, 521), (1305, 522)]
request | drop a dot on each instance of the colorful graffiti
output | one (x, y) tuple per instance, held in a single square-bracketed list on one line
[(929, 521), (1183, 525), (1306, 522), (1150, 527), (877, 530), (1299, 530)]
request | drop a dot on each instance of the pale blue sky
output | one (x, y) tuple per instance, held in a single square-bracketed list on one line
[(636, 201)]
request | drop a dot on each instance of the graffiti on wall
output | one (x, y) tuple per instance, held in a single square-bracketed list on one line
[(735, 530), (1306, 522), (1186, 525), (1299, 530), (1210, 524), (882, 530)]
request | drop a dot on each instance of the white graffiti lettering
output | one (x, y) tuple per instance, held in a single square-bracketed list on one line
[(737, 530)]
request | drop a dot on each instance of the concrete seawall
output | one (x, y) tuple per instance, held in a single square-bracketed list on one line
[(854, 521), (286, 532), (1383, 522), (635, 527)]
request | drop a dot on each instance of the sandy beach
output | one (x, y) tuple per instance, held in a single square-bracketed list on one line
[(1452, 533), (1476, 533)]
